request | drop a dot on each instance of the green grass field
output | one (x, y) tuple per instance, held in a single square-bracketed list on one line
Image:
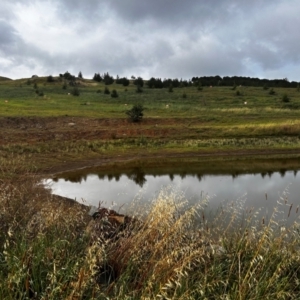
[(212, 112), (218, 105)]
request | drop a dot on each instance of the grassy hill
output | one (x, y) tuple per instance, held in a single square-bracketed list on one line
[(35, 114), (4, 78)]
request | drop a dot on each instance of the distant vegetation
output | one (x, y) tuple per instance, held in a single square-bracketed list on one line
[(153, 82), (199, 81), (4, 78)]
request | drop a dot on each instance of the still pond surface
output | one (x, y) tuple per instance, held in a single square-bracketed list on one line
[(118, 187)]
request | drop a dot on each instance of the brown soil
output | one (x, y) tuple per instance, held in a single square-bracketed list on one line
[(35, 130)]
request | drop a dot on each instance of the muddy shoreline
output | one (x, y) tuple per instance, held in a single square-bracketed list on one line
[(37, 132), (111, 161)]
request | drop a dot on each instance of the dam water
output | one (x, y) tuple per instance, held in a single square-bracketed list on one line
[(118, 188)]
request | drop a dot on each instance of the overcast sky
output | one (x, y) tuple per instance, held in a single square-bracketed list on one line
[(160, 38)]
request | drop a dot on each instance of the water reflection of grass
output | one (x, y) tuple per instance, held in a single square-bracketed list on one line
[(175, 252), (194, 166)]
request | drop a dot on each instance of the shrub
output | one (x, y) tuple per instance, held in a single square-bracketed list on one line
[(50, 78), (108, 79), (184, 95), (68, 76), (136, 113), (114, 94), (285, 98), (265, 87), (271, 91), (98, 91), (139, 89), (238, 93), (64, 86), (97, 77), (106, 91), (124, 81), (139, 82), (170, 88), (75, 91)]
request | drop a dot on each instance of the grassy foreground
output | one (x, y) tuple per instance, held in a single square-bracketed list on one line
[(50, 248)]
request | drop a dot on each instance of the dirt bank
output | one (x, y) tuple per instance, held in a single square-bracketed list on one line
[(36, 131)]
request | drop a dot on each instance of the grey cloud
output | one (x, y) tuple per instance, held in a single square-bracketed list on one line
[(204, 63), (161, 38), (114, 58), (6, 12), (273, 39), (174, 11), (8, 35)]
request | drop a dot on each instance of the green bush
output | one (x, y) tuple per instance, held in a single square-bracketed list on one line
[(75, 91), (136, 113), (139, 82), (50, 78), (139, 89), (285, 98), (106, 91), (271, 91), (114, 94)]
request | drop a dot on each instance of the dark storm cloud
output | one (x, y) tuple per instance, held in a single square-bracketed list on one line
[(8, 36), (167, 11), (161, 38), (279, 32), (210, 61)]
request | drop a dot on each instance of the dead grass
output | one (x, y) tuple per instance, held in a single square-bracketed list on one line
[(171, 251)]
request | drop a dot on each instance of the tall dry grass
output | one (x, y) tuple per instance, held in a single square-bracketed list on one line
[(167, 250)]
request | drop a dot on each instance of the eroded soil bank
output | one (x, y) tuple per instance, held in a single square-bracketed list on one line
[(58, 144)]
